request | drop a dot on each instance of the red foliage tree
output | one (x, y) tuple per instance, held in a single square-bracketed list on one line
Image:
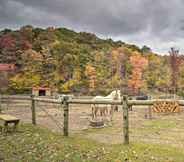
[(8, 48)]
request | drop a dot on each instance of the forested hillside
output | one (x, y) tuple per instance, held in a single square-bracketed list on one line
[(82, 63)]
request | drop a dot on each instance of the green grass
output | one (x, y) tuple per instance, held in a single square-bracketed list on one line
[(35, 144), (166, 123)]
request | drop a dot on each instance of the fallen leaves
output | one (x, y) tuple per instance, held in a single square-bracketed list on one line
[(35, 144)]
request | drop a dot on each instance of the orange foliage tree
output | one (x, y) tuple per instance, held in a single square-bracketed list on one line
[(118, 63), (90, 73), (138, 63)]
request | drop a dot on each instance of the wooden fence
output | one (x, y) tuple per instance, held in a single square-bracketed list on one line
[(66, 101)]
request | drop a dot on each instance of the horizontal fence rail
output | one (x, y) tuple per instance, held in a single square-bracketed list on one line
[(47, 100), (91, 101), (151, 102), (6, 97)]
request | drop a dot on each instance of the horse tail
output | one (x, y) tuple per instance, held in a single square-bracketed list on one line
[(93, 110)]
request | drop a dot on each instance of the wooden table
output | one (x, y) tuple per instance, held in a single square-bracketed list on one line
[(9, 119)]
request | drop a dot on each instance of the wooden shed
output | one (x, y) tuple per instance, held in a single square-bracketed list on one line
[(42, 91)]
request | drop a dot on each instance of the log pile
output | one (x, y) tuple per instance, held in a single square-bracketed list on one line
[(166, 107)]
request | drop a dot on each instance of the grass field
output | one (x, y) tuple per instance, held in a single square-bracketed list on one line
[(35, 144)]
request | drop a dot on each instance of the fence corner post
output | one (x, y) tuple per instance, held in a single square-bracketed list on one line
[(33, 106), (125, 119), (66, 115)]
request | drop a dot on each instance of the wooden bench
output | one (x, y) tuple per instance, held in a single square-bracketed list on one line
[(9, 119)]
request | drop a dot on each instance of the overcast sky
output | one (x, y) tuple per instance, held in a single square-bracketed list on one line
[(158, 24)]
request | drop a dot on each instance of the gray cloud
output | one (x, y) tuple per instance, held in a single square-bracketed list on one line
[(158, 23)]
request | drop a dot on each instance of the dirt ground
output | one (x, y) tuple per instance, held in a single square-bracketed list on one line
[(162, 128)]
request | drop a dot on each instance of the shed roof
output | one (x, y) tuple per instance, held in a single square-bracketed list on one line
[(7, 67), (41, 88)]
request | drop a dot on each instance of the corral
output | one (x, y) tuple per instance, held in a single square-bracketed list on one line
[(162, 128)]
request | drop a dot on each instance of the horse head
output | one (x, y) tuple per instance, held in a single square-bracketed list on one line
[(116, 94)]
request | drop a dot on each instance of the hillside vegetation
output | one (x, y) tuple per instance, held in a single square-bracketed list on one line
[(81, 63)]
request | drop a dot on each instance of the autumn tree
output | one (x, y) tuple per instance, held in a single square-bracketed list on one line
[(163, 81), (90, 73), (118, 66), (138, 63), (181, 78), (30, 73), (101, 64), (8, 48)]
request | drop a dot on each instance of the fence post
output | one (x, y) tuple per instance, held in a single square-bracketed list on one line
[(125, 120), (150, 112), (66, 115), (33, 110)]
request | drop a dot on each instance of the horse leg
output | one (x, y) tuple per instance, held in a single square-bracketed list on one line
[(111, 112), (96, 111), (105, 111), (93, 113), (130, 108), (116, 108), (101, 111)]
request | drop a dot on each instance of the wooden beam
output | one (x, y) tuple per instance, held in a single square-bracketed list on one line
[(151, 102), (33, 106), (14, 97), (47, 100), (66, 115), (87, 101)]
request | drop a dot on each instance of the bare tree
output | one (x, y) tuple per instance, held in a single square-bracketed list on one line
[(174, 62)]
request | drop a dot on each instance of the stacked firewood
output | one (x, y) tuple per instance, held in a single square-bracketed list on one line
[(166, 106)]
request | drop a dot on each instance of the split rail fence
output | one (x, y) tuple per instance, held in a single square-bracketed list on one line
[(66, 101)]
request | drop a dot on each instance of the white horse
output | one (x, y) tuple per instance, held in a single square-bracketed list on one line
[(105, 109)]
